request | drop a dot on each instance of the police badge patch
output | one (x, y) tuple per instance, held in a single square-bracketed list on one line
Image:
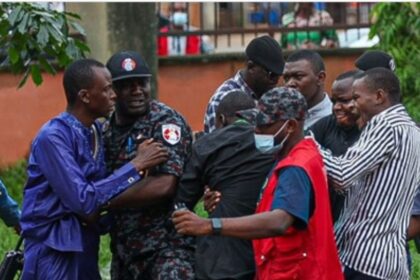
[(171, 133)]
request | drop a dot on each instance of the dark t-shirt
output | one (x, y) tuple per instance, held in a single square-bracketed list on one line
[(294, 195), (226, 160), (337, 139)]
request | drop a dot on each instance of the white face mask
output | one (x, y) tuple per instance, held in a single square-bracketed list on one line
[(179, 18), (265, 142)]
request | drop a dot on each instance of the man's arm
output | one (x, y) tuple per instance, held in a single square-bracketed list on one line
[(368, 153), (263, 225), (9, 209), (57, 161), (149, 191)]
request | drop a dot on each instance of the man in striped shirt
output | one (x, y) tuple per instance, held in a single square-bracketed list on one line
[(381, 173)]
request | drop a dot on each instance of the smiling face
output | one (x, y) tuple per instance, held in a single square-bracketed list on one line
[(133, 97), (344, 108)]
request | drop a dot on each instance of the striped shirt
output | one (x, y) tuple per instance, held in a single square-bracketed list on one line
[(235, 83), (381, 172)]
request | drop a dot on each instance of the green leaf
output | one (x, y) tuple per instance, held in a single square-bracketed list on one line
[(78, 28), (24, 78), (47, 66), (56, 34), (42, 36), (22, 25), (14, 15), (36, 74), (13, 54)]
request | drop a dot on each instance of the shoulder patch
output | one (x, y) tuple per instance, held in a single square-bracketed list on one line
[(171, 133)]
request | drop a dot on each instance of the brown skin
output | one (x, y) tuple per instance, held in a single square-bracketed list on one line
[(262, 225), (98, 101), (414, 227), (259, 79), (344, 108), (369, 102), (301, 76), (133, 101)]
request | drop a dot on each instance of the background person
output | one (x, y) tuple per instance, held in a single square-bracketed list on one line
[(305, 71), (306, 15), (338, 131), (264, 66), (9, 209)]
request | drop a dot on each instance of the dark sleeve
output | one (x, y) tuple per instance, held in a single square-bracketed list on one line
[(294, 195), (319, 128), (191, 186), (176, 135)]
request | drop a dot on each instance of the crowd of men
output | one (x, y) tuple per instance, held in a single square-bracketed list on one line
[(298, 183)]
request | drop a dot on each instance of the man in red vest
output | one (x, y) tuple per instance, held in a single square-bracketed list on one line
[(292, 229)]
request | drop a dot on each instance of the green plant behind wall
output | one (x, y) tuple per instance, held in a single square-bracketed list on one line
[(398, 27)]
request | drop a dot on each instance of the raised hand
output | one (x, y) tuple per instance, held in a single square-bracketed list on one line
[(149, 154)]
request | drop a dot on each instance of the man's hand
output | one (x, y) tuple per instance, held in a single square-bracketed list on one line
[(188, 223), (149, 154), (211, 199)]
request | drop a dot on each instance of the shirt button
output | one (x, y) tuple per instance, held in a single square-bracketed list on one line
[(304, 255), (262, 258), (131, 180)]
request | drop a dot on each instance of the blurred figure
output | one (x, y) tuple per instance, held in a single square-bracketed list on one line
[(181, 45), (9, 209), (306, 15)]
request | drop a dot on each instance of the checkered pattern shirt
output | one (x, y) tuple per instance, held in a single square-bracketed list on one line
[(235, 83)]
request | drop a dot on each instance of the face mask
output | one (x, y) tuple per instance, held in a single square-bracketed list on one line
[(265, 142), (179, 18)]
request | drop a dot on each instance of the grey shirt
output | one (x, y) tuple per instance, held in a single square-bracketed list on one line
[(317, 112)]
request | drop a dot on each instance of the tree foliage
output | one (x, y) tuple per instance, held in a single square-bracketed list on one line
[(35, 39), (398, 27)]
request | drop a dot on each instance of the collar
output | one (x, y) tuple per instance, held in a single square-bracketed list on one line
[(325, 104), (239, 79)]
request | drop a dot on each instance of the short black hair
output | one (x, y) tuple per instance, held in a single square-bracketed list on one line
[(382, 78), (234, 101), (77, 76), (348, 74), (313, 57)]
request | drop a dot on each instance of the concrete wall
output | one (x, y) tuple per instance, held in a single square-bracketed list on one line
[(184, 84)]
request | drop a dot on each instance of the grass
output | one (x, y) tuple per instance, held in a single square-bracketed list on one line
[(14, 178)]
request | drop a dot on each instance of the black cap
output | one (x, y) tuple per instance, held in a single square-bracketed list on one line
[(266, 52), (373, 59), (127, 64)]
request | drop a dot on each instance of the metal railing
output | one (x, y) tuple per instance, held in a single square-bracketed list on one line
[(230, 26)]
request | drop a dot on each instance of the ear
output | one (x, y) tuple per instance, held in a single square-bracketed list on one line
[(250, 65), (84, 96), (292, 126), (321, 77), (381, 96)]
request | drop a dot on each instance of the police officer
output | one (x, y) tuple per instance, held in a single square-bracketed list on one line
[(143, 243)]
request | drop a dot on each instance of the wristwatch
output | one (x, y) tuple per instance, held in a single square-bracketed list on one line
[(216, 225)]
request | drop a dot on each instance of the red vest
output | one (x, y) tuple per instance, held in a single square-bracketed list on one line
[(300, 254), (192, 44)]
